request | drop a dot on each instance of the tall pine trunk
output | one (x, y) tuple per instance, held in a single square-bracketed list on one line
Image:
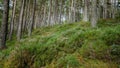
[(94, 13), (12, 20), (19, 32), (4, 26), (33, 18), (85, 13)]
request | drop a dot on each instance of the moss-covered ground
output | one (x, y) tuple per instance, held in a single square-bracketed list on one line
[(75, 45)]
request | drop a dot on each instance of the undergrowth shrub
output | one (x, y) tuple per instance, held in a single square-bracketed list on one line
[(107, 22), (92, 34), (115, 52), (95, 49), (30, 56), (112, 36), (68, 61), (19, 58)]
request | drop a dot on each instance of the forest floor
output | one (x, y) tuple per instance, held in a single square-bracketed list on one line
[(74, 45)]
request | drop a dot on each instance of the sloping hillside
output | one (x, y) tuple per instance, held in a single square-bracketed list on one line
[(75, 45)]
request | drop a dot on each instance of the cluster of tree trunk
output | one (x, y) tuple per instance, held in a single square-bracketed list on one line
[(27, 15)]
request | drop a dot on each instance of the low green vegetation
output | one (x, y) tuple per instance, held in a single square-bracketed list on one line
[(75, 45)]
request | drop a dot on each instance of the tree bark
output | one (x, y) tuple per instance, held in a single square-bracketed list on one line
[(94, 13), (85, 13), (4, 26), (33, 18), (12, 20), (19, 32)]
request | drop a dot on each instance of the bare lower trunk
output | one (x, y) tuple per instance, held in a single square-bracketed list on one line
[(94, 13), (33, 19), (12, 20), (4, 25), (85, 13), (20, 21)]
